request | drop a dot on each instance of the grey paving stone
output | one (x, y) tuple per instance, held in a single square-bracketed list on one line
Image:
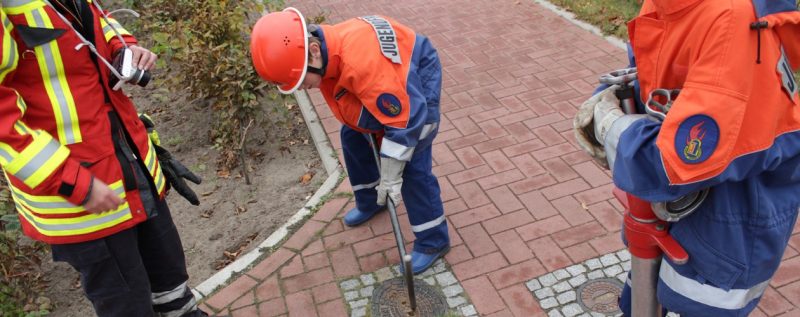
[(624, 255), (351, 295), (430, 280), (561, 274), (544, 292), (585, 315), (609, 259), (350, 284), (367, 291), (469, 310), (562, 287), (567, 297), (533, 285), (454, 302), (613, 271), (367, 279), (578, 280), (554, 313), (595, 275), (452, 290), (626, 266), (593, 314), (548, 279), (439, 267), (548, 303), (359, 312), (593, 264), (571, 310), (622, 277), (576, 270), (446, 279), (383, 274), (359, 303)]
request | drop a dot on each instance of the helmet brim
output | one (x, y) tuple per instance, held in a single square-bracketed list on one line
[(291, 88)]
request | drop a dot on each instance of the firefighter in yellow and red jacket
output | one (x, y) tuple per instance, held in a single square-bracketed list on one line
[(377, 76), (81, 169)]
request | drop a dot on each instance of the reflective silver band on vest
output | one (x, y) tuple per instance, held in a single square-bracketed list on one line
[(50, 63), (76, 226), (387, 38), (709, 295), (15, 3)]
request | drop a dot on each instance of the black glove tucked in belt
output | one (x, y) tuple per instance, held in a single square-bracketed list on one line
[(174, 171)]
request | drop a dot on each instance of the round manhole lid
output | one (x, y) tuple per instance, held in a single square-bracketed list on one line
[(390, 299), (600, 296)]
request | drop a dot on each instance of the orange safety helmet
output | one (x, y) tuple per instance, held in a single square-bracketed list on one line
[(279, 48)]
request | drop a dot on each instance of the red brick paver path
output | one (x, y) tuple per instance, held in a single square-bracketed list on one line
[(520, 198)]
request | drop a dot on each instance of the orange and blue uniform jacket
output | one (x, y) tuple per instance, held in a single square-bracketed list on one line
[(734, 129), (54, 125), (382, 77)]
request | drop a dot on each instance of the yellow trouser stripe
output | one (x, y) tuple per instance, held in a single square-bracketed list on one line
[(55, 205), (55, 82), (38, 160)]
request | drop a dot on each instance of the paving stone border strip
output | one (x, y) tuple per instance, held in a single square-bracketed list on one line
[(358, 291), (557, 291)]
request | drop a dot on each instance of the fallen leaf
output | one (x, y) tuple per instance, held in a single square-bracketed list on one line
[(305, 141), (306, 178), (584, 206), (224, 173)]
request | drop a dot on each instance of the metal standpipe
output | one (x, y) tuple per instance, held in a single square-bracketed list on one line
[(405, 259), (648, 237)]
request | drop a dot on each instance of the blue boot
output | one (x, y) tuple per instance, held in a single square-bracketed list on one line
[(355, 217), (422, 261)]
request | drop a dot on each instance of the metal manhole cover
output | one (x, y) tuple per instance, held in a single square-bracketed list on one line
[(600, 296), (390, 299)]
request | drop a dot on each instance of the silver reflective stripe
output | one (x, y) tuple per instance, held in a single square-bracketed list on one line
[(190, 306), (387, 38), (366, 186), (396, 150), (50, 63), (707, 294), (76, 226), (169, 296), (427, 129), (7, 156), (12, 51), (428, 225), (39, 160), (613, 135), (55, 205), (15, 3)]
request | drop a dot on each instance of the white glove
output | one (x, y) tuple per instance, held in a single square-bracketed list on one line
[(391, 180), (593, 120)]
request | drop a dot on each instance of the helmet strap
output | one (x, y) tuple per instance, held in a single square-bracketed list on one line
[(314, 70)]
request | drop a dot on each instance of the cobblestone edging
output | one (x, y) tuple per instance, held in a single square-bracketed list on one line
[(557, 291), (358, 291)]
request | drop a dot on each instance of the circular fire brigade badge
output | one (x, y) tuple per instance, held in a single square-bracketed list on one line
[(696, 139), (389, 104)]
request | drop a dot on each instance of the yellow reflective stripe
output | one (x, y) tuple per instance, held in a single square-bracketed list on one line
[(153, 168), (21, 6), (53, 205), (38, 160), (55, 82), (108, 31), (7, 154), (79, 225), (10, 58)]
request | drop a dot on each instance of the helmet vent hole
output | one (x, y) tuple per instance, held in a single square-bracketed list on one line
[(286, 41)]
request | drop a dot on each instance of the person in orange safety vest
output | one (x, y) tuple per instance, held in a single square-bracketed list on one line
[(377, 76), (733, 129), (81, 168)]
